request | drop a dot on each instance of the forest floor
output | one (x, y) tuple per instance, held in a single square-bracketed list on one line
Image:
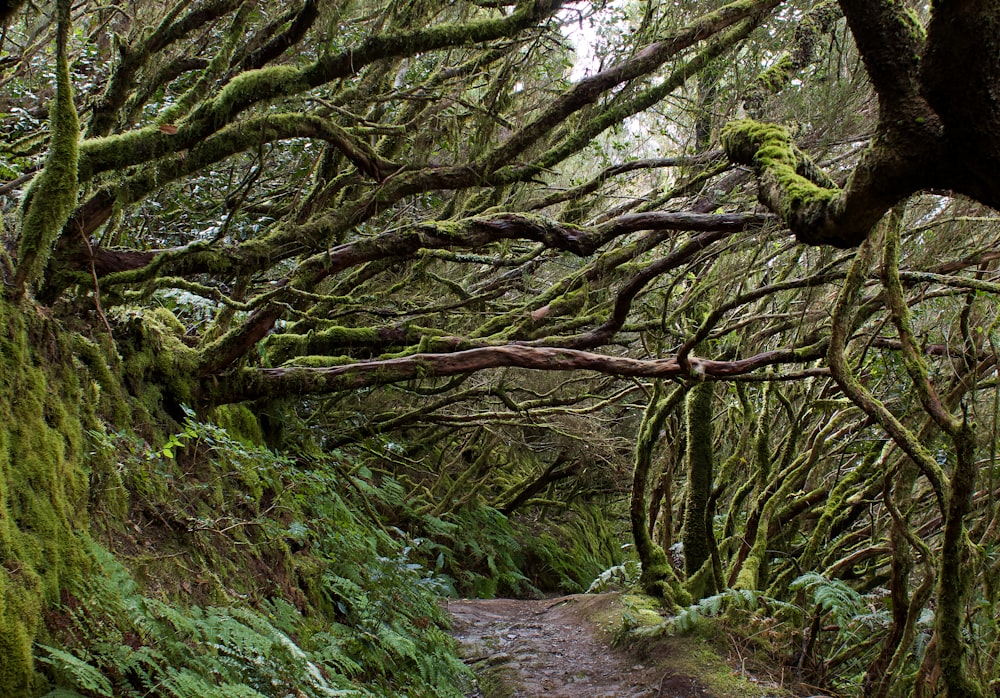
[(563, 648)]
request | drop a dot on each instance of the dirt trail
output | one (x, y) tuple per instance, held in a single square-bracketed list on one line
[(551, 648)]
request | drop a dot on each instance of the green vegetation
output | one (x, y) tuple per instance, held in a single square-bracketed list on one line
[(43, 490), (340, 600), (316, 313)]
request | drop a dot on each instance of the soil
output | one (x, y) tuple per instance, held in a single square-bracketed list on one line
[(562, 648)]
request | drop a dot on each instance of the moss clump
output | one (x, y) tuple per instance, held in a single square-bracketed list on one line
[(106, 394), (240, 422), (776, 77), (159, 367), (644, 611), (659, 579), (319, 361)]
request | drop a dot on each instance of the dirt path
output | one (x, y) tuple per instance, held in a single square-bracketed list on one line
[(552, 648)]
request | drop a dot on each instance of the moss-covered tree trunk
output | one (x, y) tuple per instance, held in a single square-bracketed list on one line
[(658, 577), (953, 580), (700, 467), (52, 194)]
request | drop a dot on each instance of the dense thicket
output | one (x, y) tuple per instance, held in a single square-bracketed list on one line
[(461, 266)]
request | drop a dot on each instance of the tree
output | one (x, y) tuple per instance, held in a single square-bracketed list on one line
[(391, 216)]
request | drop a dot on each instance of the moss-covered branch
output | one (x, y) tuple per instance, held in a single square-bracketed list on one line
[(50, 199), (913, 360), (626, 105), (134, 57), (587, 90), (301, 18), (471, 233), (213, 71), (338, 341), (256, 86), (790, 184)]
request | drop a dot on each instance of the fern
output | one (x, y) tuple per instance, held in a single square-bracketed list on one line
[(623, 575), (730, 600), (832, 595), (187, 684), (77, 673), (375, 626)]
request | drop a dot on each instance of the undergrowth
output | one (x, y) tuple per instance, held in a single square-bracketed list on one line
[(566, 553), (249, 573), (825, 633), (229, 569)]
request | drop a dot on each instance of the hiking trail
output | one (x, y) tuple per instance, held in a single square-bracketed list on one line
[(562, 648)]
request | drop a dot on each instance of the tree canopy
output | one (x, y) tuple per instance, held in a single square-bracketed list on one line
[(513, 247)]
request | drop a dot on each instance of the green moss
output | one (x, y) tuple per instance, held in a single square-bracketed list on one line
[(702, 583), (106, 392), (700, 468), (52, 194), (43, 486), (282, 347), (784, 186), (914, 25), (314, 361), (100, 154), (659, 579), (776, 77), (240, 422), (701, 654), (647, 609), (762, 442), (249, 86), (742, 139), (155, 357), (571, 303), (167, 321), (770, 148)]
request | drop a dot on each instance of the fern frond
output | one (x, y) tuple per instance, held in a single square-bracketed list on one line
[(77, 673)]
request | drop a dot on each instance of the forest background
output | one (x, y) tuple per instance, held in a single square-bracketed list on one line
[(319, 311)]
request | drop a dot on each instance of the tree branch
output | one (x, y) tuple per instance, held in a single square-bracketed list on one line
[(249, 384)]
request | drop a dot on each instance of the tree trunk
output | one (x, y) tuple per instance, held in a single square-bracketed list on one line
[(658, 577), (700, 466)]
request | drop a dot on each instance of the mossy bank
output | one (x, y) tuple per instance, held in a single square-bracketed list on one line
[(45, 408)]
